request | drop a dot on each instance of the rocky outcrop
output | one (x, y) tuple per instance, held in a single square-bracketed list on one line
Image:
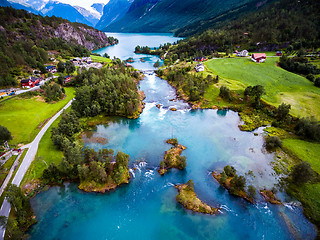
[(88, 37)]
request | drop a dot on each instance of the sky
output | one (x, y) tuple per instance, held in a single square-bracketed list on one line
[(83, 3)]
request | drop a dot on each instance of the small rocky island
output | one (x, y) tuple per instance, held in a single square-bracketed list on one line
[(233, 183), (270, 196), (172, 157), (188, 198)]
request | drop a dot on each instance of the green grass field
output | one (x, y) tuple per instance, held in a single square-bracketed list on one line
[(308, 194), (100, 59), (47, 153), (281, 85), (23, 117), (306, 151)]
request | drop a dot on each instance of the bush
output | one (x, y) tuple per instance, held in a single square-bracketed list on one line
[(238, 183), (310, 77), (302, 173), (283, 111), (273, 142), (308, 129), (225, 93), (317, 82), (229, 171), (252, 191)]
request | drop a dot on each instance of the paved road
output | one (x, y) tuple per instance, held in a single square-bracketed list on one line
[(32, 151)]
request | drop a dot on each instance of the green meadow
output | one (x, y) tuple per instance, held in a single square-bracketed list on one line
[(280, 85), (25, 116)]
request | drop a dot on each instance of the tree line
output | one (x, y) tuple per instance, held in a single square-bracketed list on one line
[(106, 91)]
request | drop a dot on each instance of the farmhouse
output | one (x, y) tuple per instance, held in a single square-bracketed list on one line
[(199, 59), (243, 53), (30, 82), (67, 78), (51, 69), (199, 67), (258, 57)]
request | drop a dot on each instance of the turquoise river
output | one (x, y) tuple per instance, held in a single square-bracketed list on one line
[(146, 208)]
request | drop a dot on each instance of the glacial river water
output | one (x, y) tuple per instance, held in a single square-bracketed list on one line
[(146, 208)]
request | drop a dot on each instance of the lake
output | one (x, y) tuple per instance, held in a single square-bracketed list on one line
[(146, 208)]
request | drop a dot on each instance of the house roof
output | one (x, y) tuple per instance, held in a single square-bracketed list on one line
[(259, 55)]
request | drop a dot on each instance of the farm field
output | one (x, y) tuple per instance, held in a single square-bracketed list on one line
[(280, 85), (24, 116)]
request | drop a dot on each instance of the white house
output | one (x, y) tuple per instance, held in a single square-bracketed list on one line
[(243, 53), (199, 67)]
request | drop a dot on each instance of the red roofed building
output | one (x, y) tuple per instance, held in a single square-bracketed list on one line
[(258, 57)]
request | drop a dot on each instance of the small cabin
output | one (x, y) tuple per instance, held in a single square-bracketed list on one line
[(199, 59), (67, 78), (259, 57), (243, 53), (199, 67), (51, 69)]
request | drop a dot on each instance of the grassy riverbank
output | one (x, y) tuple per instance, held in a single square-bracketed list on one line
[(24, 117)]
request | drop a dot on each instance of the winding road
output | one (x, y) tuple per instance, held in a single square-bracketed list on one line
[(31, 153)]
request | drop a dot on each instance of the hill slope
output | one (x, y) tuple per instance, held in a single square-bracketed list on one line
[(113, 11), (169, 15), (25, 40)]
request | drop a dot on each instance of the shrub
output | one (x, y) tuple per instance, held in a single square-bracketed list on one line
[(273, 142), (308, 128), (283, 111), (252, 191), (302, 173), (229, 171), (238, 183), (317, 82), (225, 93)]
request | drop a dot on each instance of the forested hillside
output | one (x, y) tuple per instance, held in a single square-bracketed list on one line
[(25, 40), (169, 15), (286, 23)]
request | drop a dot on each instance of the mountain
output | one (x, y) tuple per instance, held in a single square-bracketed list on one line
[(91, 16), (4, 3), (58, 9), (266, 29), (113, 11), (169, 15), (98, 7), (65, 11), (221, 19), (25, 46)]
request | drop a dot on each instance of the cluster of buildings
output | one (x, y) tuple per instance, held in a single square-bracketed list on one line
[(85, 62), (31, 82)]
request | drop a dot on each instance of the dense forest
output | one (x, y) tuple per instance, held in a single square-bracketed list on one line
[(294, 24), (106, 91), (25, 40)]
